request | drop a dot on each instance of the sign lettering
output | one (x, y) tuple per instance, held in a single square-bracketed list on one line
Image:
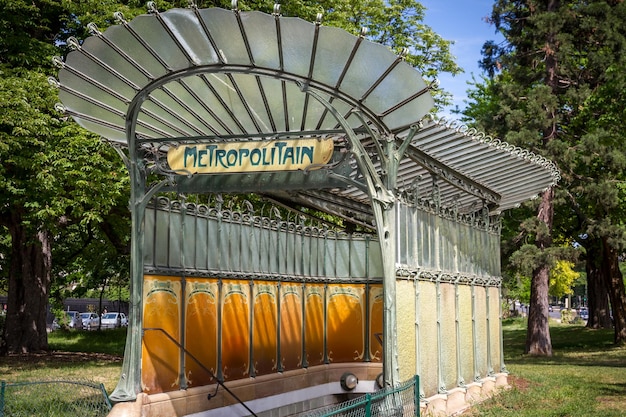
[(257, 156)]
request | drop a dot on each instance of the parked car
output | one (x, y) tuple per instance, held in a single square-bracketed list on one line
[(70, 319), (90, 320), (113, 320)]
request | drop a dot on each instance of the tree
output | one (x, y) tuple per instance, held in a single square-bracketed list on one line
[(553, 88), (562, 278), (527, 114), (53, 175), (61, 188), (600, 177)]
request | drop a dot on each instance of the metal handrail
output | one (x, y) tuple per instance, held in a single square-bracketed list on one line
[(220, 383)]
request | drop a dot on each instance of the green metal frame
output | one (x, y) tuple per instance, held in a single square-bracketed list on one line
[(379, 187), (18, 398), (392, 401)]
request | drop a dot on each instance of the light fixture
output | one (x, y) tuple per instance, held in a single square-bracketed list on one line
[(348, 381)]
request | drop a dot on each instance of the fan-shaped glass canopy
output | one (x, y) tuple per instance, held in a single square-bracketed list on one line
[(193, 75), (189, 90)]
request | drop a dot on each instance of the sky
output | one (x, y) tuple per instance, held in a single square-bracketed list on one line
[(461, 21)]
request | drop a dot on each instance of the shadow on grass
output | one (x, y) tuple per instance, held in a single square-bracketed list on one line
[(571, 345), (110, 342), (614, 389)]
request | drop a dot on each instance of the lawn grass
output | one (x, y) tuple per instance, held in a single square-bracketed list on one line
[(585, 377), (74, 355), (110, 342)]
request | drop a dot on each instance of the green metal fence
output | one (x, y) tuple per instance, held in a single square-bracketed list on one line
[(400, 401), (54, 398)]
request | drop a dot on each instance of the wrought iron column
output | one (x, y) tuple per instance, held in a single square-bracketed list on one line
[(129, 384), (380, 188)]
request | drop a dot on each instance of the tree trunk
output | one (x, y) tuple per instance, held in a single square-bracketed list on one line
[(597, 295), (617, 294), (538, 341), (29, 284)]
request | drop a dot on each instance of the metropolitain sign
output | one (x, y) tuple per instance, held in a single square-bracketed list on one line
[(250, 156)]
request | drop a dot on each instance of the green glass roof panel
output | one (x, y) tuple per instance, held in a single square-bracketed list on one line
[(243, 47), (191, 36), (297, 41), (230, 44), (216, 73), (130, 50)]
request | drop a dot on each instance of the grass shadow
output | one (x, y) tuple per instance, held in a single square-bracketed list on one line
[(583, 378)]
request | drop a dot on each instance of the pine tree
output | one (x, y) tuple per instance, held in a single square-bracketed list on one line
[(550, 86)]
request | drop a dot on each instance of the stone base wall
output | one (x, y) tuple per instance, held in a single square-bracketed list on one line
[(273, 395), (293, 396), (457, 400)]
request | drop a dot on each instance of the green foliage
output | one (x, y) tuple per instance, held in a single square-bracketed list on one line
[(581, 106), (556, 87), (55, 177), (567, 315), (59, 314), (58, 178), (27, 130), (27, 33), (517, 287), (562, 278)]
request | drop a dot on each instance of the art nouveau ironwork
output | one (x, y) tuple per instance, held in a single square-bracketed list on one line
[(236, 80)]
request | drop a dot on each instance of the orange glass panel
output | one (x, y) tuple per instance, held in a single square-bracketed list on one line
[(345, 323), (264, 328), (314, 324), (201, 330), (235, 329), (160, 356), (291, 326), (376, 323)]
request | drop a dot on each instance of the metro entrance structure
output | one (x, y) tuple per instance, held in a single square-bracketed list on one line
[(267, 307)]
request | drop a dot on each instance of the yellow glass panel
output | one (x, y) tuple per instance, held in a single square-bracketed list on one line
[(466, 332), (427, 337), (201, 330), (376, 323), (265, 328), (406, 337), (494, 328), (480, 314), (345, 326), (449, 342), (235, 329), (160, 356), (314, 327), (291, 326)]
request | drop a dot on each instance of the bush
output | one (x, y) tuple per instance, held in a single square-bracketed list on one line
[(567, 316)]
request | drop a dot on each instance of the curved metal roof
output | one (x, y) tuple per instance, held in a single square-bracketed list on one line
[(190, 75), (212, 72)]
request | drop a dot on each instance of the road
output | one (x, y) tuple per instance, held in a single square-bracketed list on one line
[(554, 314)]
